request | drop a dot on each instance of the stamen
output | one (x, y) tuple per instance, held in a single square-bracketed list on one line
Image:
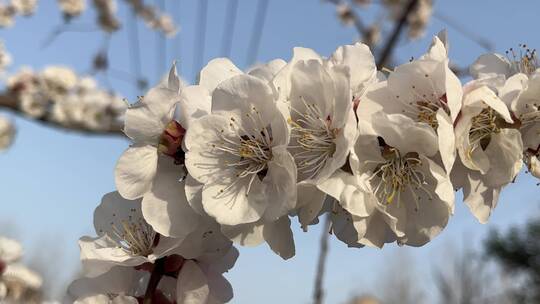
[(397, 175), (424, 106), (525, 61), (251, 146), (483, 126), (134, 235), (313, 138)]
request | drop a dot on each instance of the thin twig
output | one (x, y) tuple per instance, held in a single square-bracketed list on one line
[(388, 47), (481, 41), (318, 292)]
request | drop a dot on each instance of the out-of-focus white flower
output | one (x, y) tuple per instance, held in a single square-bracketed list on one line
[(153, 18), (19, 273), (345, 13), (7, 15), (490, 149), (124, 238), (10, 250), (5, 58), (59, 79), (106, 10), (418, 19), (7, 135), (72, 8), (24, 7), (166, 24)]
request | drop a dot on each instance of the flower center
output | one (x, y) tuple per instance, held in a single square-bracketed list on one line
[(314, 140), (170, 142), (134, 235), (398, 174), (251, 147), (483, 126), (524, 60), (531, 116), (425, 105)]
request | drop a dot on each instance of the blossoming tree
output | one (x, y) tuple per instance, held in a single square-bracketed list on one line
[(239, 156)]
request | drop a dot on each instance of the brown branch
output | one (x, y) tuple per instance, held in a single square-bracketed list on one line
[(390, 44), (10, 103), (155, 277), (318, 292)]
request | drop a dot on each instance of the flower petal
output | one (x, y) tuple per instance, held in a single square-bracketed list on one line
[(192, 286), (135, 171), (165, 206), (216, 71)]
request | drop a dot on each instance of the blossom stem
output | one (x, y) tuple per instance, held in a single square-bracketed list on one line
[(155, 277), (318, 292)]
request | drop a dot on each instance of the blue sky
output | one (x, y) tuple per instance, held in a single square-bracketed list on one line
[(51, 181)]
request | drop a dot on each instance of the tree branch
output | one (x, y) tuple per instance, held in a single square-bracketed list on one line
[(10, 103), (155, 277), (318, 292), (393, 39)]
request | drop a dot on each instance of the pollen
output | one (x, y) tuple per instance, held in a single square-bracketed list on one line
[(134, 235), (400, 173), (313, 140)]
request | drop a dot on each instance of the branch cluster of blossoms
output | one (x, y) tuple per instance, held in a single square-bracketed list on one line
[(59, 95), (105, 9), (236, 156), (13, 8), (417, 19), (18, 284)]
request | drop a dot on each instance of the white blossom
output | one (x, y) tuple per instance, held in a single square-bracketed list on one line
[(72, 8), (24, 7), (238, 152), (7, 133), (490, 150)]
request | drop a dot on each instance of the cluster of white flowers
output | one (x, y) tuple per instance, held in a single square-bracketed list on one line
[(236, 156), (18, 284), (10, 9), (7, 133), (106, 15), (5, 59), (153, 18), (57, 94), (417, 19), (108, 21), (72, 8)]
